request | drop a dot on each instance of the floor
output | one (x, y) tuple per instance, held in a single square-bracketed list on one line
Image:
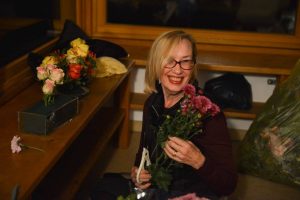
[(248, 188)]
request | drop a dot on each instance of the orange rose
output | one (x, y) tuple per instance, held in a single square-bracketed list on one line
[(74, 71)]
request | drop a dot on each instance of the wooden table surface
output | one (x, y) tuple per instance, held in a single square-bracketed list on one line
[(28, 168)]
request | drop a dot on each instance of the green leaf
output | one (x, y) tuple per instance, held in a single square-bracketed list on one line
[(161, 177)]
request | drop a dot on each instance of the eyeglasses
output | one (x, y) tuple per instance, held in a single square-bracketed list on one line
[(184, 64)]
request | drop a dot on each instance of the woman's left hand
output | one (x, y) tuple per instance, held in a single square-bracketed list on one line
[(184, 151)]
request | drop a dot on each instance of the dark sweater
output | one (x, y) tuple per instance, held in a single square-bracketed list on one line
[(217, 177)]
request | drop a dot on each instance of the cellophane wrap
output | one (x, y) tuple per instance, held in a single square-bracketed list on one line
[(271, 147)]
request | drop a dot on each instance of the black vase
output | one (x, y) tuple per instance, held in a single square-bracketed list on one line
[(72, 89)]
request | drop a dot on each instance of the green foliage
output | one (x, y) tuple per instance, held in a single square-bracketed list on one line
[(129, 197), (160, 176)]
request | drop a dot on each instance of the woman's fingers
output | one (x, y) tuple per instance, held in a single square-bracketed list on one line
[(143, 185), (144, 178), (184, 151)]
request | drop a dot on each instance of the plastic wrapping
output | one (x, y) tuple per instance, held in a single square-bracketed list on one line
[(271, 147)]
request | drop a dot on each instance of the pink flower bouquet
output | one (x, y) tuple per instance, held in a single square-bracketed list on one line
[(186, 123)]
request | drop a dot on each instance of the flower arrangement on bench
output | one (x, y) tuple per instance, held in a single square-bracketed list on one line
[(73, 66)]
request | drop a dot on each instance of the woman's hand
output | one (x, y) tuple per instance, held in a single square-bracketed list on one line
[(184, 152), (145, 177)]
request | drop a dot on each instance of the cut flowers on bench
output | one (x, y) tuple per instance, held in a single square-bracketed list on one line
[(16, 145), (74, 65)]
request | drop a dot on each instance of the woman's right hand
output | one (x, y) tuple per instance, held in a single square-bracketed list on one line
[(145, 177)]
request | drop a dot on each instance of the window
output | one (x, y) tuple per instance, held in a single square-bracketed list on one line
[(264, 16)]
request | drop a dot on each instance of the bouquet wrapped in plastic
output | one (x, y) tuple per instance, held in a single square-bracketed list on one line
[(271, 147)]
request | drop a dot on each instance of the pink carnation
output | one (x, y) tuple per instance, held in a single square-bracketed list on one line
[(190, 196), (15, 144), (189, 90), (214, 109)]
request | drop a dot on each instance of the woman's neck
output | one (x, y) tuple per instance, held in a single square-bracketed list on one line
[(172, 99)]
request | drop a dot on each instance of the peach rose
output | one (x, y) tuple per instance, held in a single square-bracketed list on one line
[(57, 75), (48, 87), (42, 73)]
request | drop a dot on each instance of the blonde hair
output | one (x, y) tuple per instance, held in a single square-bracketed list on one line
[(159, 52)]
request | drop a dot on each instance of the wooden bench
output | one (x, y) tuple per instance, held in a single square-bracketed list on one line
[(74, 150)]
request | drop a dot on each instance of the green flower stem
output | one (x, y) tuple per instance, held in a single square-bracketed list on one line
[(31, 147)]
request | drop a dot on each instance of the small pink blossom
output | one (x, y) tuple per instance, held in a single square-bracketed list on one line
[(48, 87), (198, 102), (15, 144), (189, 90), (214, 109), (57, 75), (42, 73)]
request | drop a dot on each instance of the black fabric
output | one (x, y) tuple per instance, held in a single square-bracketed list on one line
[(230, 90), (110, 186), (106, 48), (70, 32), (100, 47)]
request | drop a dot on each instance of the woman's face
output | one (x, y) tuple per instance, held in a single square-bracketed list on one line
[(173, 79)]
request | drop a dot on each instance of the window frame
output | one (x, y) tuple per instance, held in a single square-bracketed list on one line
[(91, 16)]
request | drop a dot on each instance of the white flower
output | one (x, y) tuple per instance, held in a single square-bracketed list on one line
[(15, 144)]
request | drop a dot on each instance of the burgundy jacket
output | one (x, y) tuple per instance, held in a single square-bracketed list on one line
[(218, 176)]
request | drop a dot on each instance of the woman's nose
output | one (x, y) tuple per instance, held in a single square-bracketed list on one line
[(177, 68)]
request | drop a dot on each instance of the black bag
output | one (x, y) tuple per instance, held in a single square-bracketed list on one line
[(230, 90)]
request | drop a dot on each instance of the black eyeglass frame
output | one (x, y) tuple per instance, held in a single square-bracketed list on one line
[(180, 64)]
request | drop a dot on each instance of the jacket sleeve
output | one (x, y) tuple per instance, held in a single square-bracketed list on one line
[(219, 169)]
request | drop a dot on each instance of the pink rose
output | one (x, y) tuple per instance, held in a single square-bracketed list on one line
[(42, 73), (48, 86), (57, 75), (50, 67)]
